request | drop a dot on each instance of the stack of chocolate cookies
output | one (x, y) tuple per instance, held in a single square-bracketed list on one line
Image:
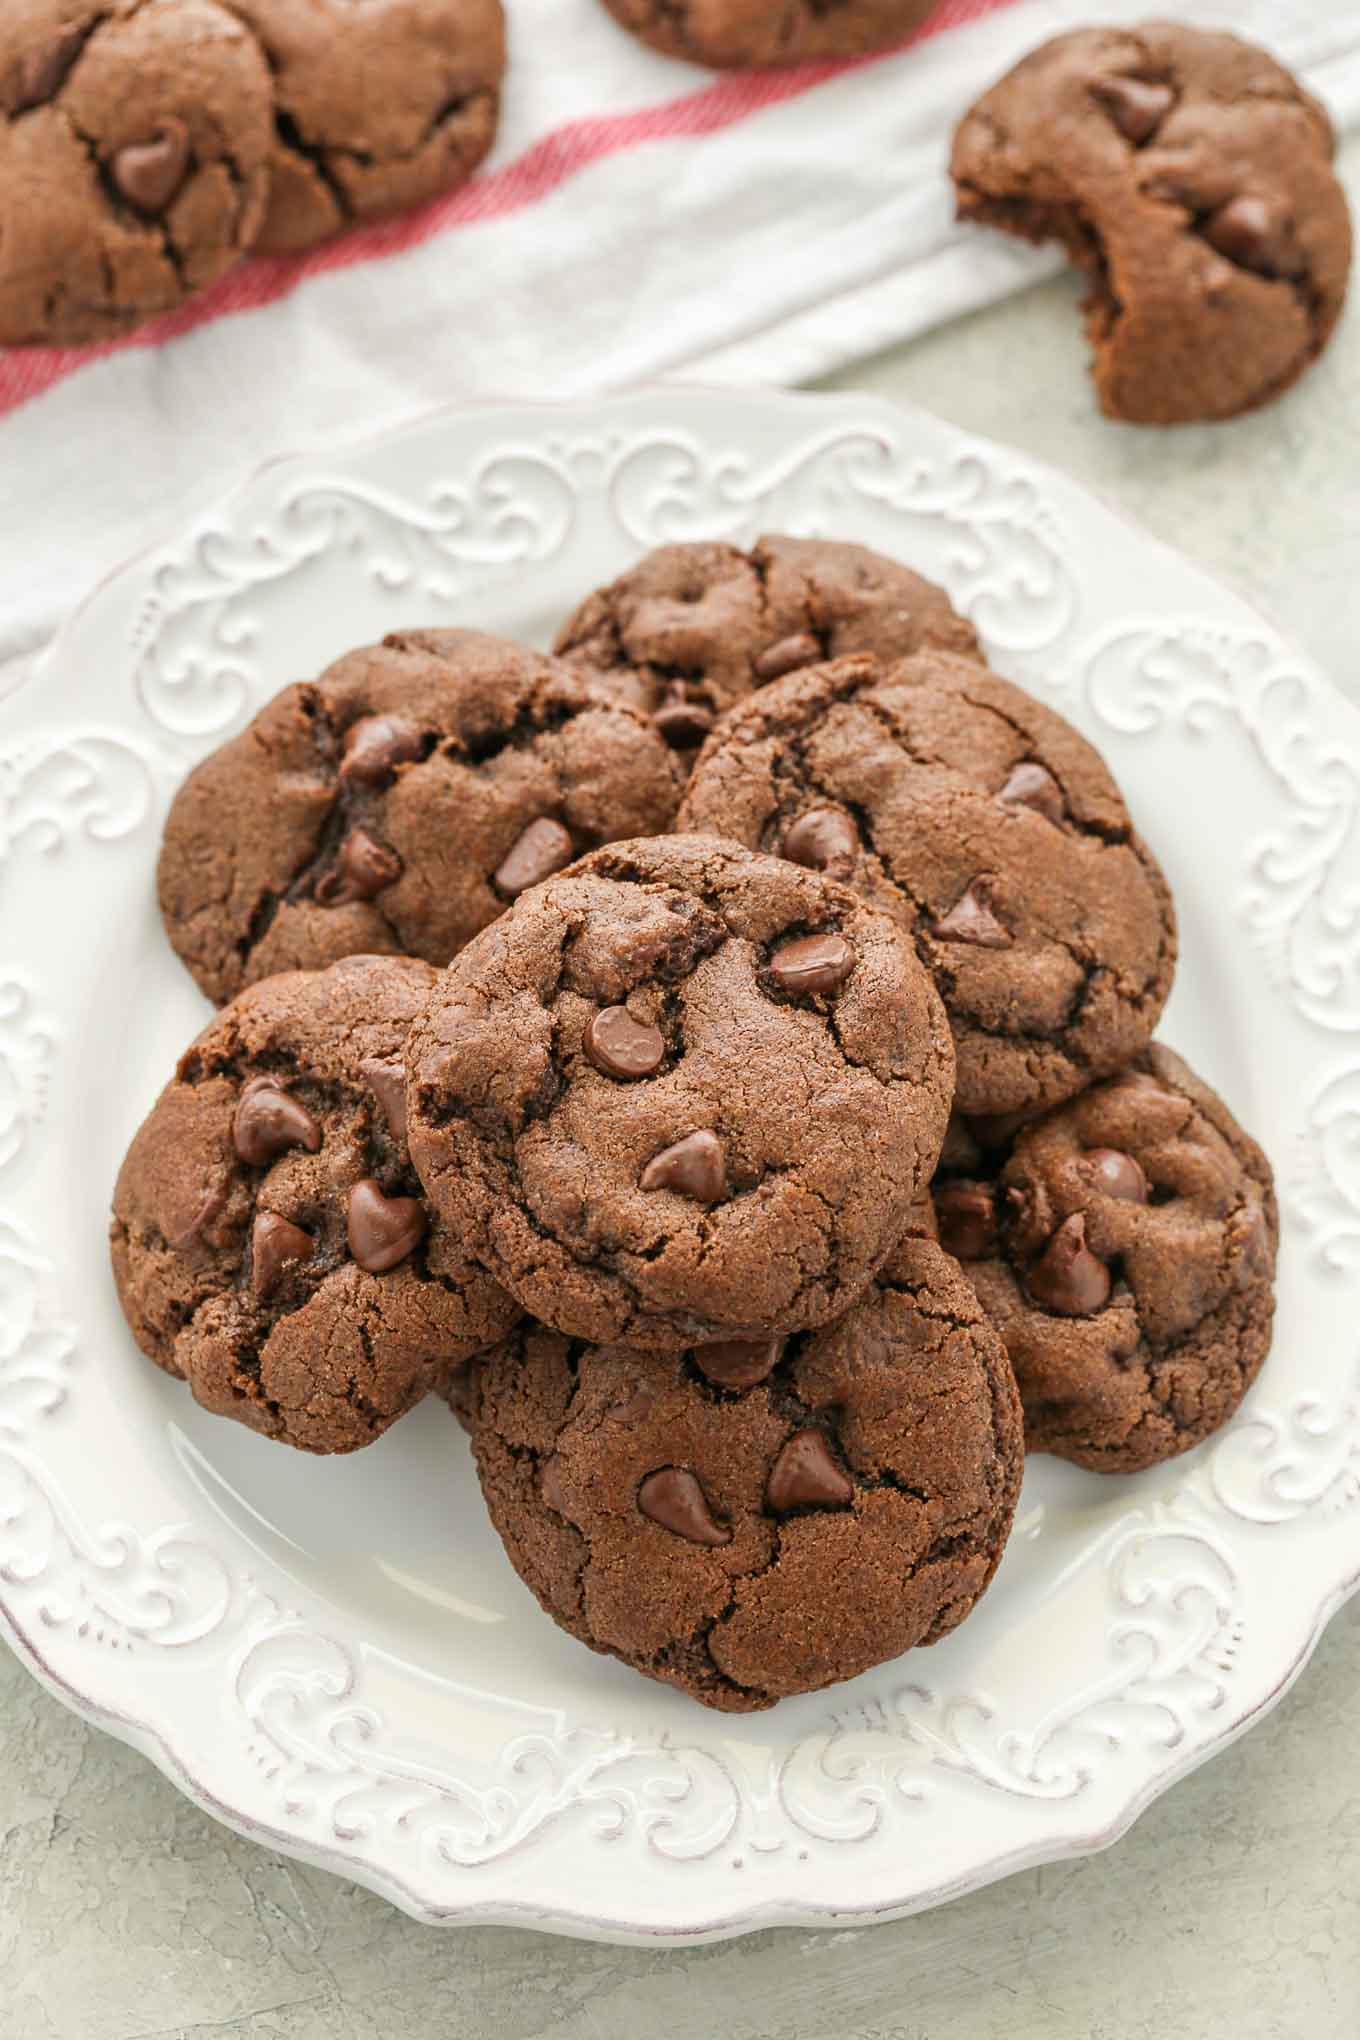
[(717, 1059)]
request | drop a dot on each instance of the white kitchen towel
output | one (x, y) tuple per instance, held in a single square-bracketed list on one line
[(638, 219)]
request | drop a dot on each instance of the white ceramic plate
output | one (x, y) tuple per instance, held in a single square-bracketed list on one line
[(334, 1656)]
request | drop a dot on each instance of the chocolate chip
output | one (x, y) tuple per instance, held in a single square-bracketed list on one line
[(365, 868), (812, 964), (40, 71), (387, 1082), (268, 1121), (621, 1046), (806, 1476), (738, 1363), (550, 1483), (692, 1167), (376, 745), (148, 174), (634, 1407), (1251, 234), (382, 1230), (971, 919), (1033, 786), (824, 840), (274, 1242), (673, 1498), (681, 722), (967, 1214), (1116, 1174), (543, 849), (211, 1205), (787, 656), (1067, 1277), (1137, 106)]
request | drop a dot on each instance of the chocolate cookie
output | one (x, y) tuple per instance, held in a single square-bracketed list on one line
[(134, 149), (1125, 1250), (987, 828), (751, 1521), (269, 1240), (398, 804), (745, 34), (692, 629), (680, 1093), (376, 108), (1191, 176)]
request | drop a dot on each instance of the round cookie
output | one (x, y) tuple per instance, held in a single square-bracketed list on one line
[(1191, 176), (750, 34), (376, 108), (989, 830), (749, 1522), (398, 804), (1125, 1250), (679, 1093), (134, 150), (269, 1241), (693, 629)]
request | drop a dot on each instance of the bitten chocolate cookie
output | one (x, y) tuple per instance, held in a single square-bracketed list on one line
[(270, 1243), (692, 629), (745, 34), (752, 1521), (376, 108), (134, 150), (989, 830), (681, 1092), (1125, 1250), (398, 804), (1191, 176)]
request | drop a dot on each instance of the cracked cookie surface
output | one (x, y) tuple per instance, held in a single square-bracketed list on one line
[(269, 1241), (1124, 1246), (847, 1500), (736, 33), (692, 629), (989, 830), (376, 107), (1191, 176), (679, 1092), (134, 152), (397, 804)]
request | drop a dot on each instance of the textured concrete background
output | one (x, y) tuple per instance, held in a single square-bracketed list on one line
[(1231, 1912)]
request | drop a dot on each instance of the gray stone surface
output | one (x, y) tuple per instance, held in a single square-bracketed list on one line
[(1232, 1910)]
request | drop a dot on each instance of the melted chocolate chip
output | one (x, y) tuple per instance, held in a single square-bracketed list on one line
[(274, 1242), (806, 1476), (787, 656), (1067, 1277), (692, 1167), (376, 745), (812, 964), (148, 174), (543, 848), (971, 919), (364, 868), (1254, 236), (1137, 106), (550, 1483), (673, 1498), (738, 1363), (269, 1121), (634, 1407), (1033, 786), (40, 72), (683, 723), (967, 1215), (382, 1230), (823, 839), (1116, 1174), (212, 1204), (621, 1046), (387, 1082)]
